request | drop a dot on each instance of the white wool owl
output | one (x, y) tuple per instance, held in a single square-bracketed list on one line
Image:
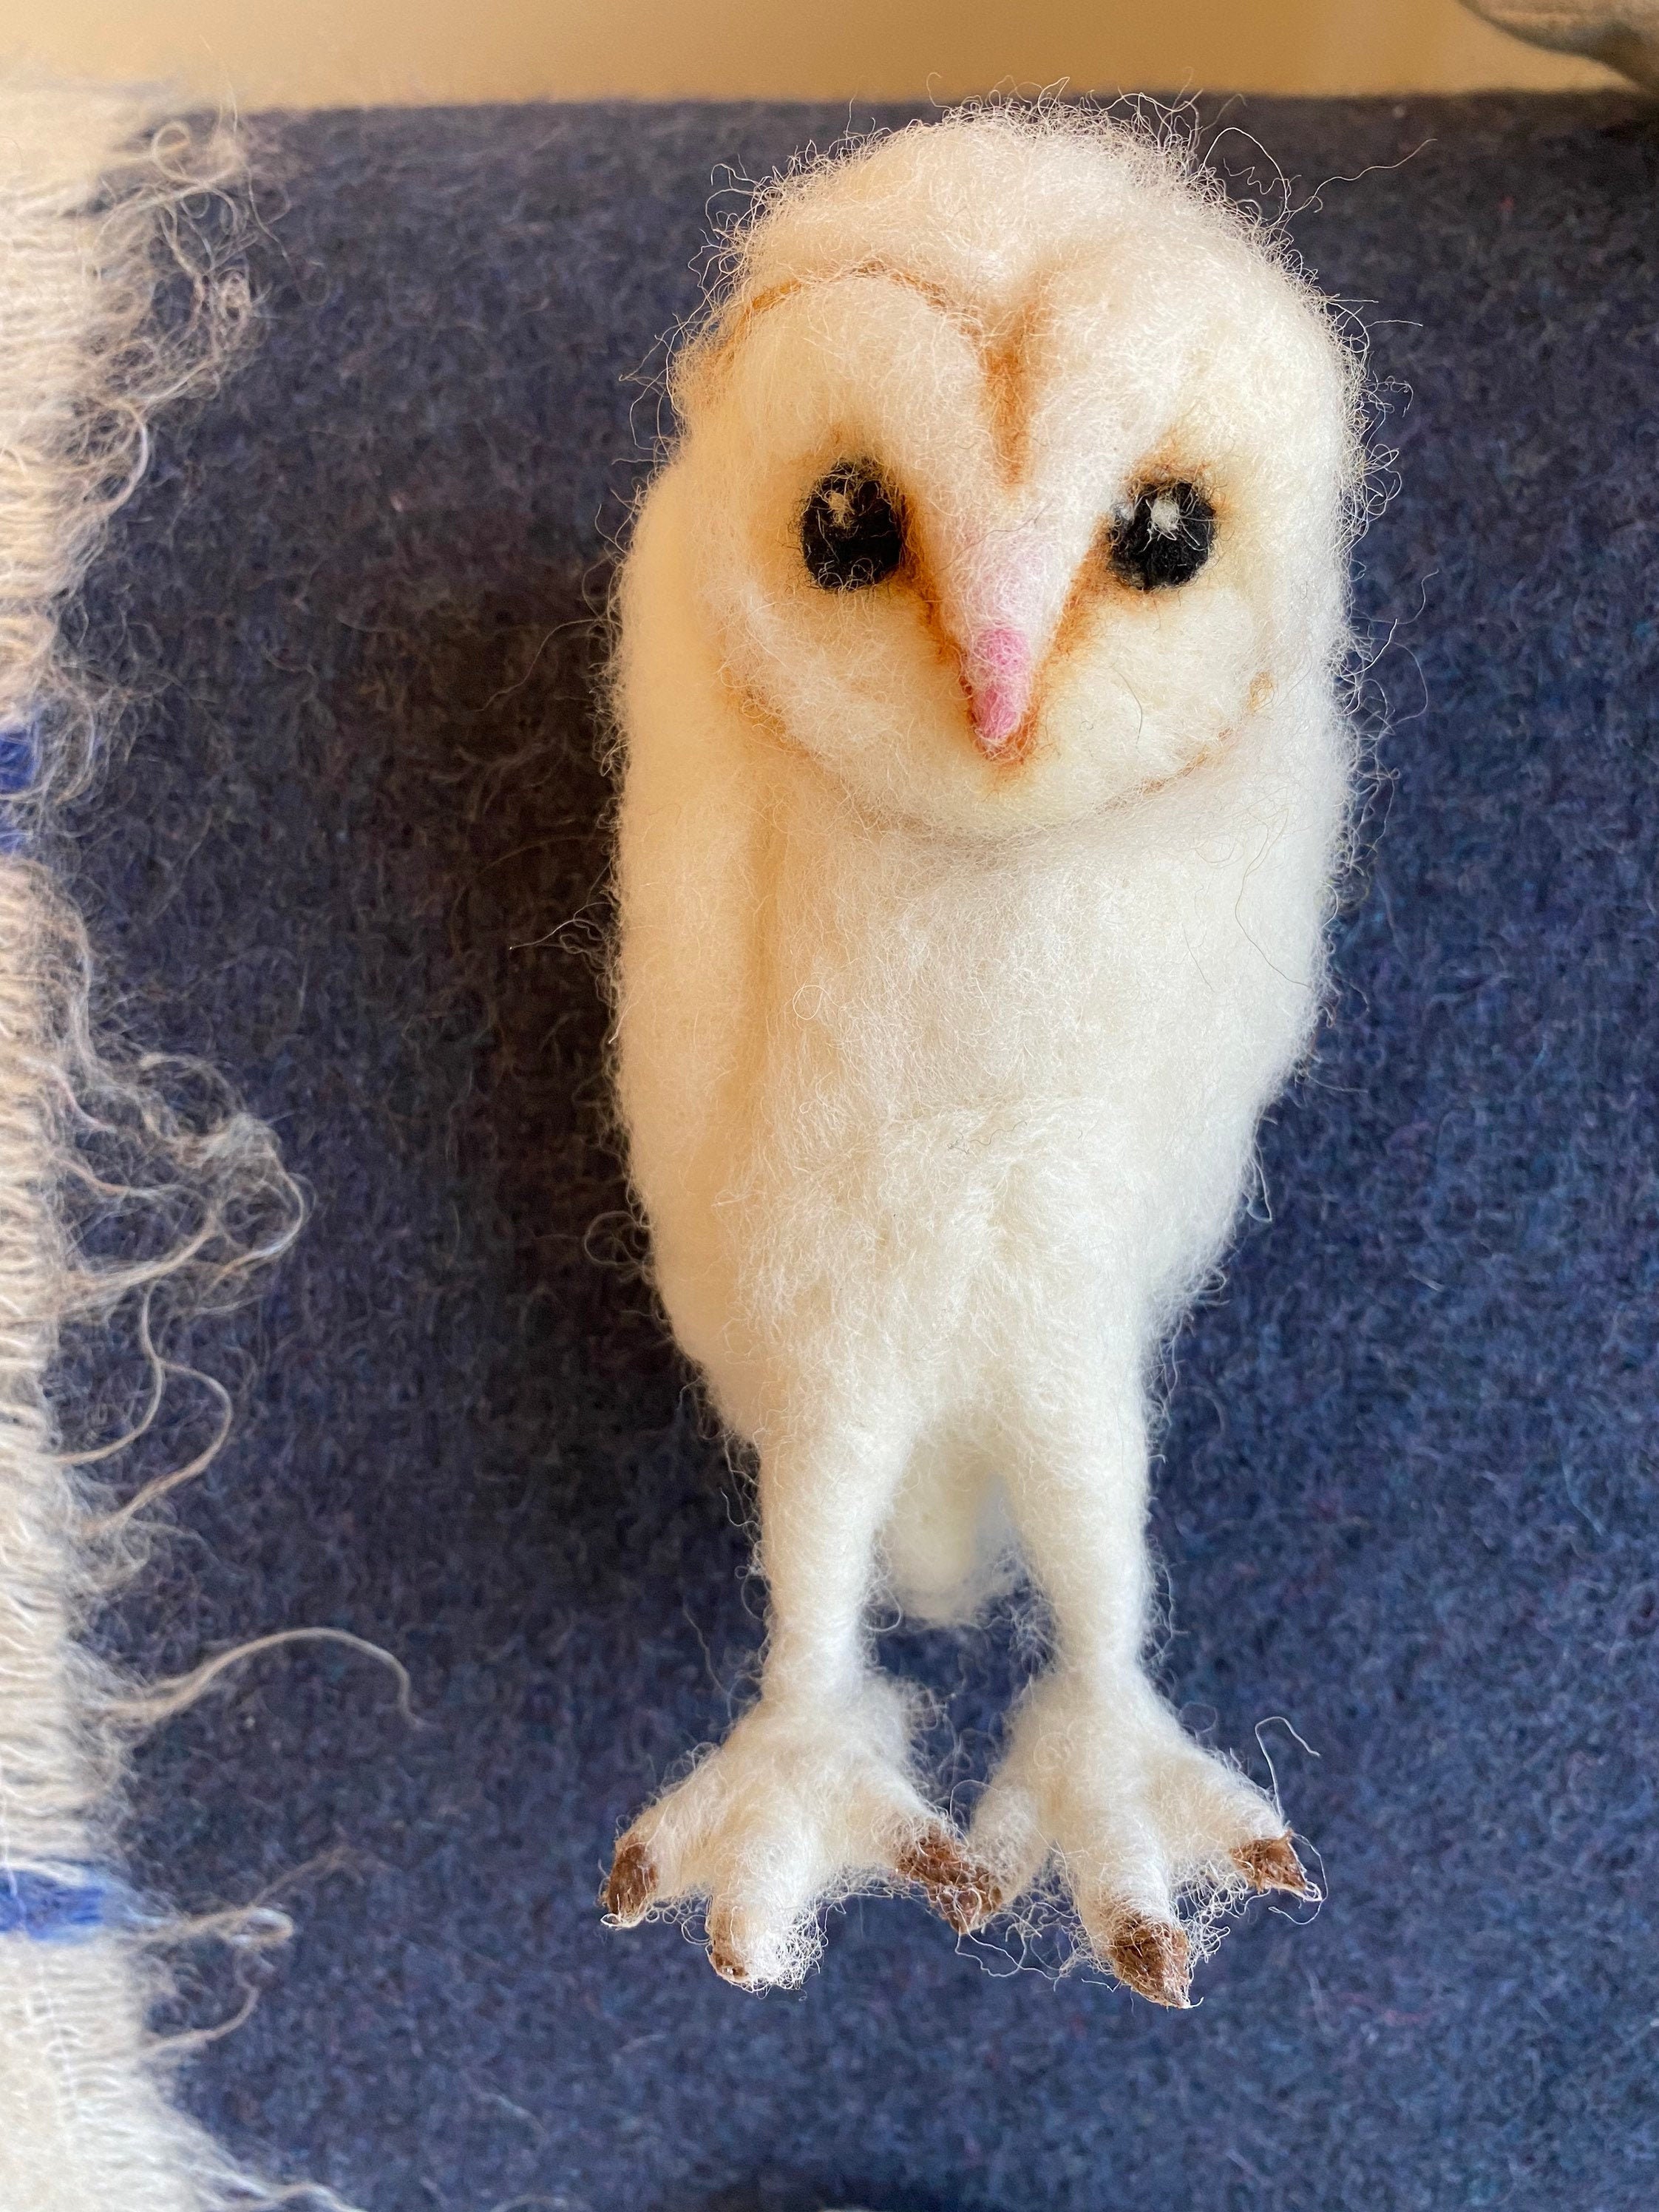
[(984, 782)]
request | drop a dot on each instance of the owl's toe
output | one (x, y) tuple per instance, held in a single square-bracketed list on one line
[(724, 1955), (956, 1885), (1152, 1958), (1271, 1862), (632, 1885)]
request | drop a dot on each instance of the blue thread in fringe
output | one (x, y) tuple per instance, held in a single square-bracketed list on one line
[(57, 1908), (20, 764)]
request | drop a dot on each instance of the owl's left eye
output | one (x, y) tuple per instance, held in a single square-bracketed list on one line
[(851, 534), (1164, 537)]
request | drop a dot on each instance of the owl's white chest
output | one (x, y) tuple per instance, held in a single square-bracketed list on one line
[(946, 1108)]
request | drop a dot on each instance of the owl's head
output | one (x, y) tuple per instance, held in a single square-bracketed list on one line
[(1015, 472)]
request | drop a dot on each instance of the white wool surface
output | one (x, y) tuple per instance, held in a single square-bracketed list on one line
[(940, 1058)]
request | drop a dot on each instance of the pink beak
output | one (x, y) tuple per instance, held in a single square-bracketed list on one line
[(999, 676)]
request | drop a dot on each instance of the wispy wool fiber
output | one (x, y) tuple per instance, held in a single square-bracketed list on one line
[(986, 774)]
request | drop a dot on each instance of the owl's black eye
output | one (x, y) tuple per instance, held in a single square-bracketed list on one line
[(851, 534), (1164, 538)]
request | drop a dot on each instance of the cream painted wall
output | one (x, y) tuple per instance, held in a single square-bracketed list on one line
[(263, 52)]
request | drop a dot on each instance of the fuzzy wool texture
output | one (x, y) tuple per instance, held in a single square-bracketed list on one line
[(944, 1019), (358, 856), (92, 185)]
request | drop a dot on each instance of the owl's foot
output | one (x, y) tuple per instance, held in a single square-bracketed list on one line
[(1103, 1779), (798, 1806)]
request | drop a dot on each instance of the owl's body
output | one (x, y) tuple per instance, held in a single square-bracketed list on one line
[(932, 1123), (971, 913)]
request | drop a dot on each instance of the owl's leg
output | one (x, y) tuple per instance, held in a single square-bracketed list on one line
[(1099, 1773), (811, 1797), (947, 1536)]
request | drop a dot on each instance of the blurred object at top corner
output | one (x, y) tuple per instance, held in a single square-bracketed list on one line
[(1623, 33)]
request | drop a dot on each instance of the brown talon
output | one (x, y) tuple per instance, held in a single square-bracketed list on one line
[(1271, 1862), (725, 1962), (959, 1889), (633, 1883), (1152, 1958)]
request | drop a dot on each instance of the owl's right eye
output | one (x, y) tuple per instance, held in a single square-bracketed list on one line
[(851, 534)]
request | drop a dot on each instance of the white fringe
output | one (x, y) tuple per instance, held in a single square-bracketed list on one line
[(97, 186)]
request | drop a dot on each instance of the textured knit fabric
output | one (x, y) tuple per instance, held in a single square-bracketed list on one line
[(355, 853)]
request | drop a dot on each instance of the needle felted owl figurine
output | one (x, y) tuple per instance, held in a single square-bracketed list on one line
[(984, 780)]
